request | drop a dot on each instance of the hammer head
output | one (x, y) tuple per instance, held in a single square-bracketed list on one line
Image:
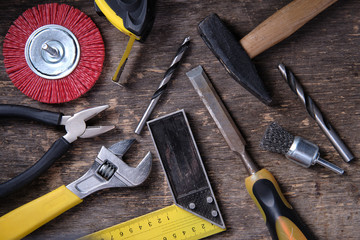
[(233, 56)]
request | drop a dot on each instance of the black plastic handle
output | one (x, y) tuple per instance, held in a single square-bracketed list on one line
[(281, 218), (138, 16), (51, 118), (55, 152)]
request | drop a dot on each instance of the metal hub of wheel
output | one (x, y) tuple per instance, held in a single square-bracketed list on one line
[(52, 51)]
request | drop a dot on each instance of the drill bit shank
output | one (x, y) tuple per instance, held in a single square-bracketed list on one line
[(316, 114), (155, 98)]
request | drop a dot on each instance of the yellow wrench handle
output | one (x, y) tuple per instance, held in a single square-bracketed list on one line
[(29, 217)]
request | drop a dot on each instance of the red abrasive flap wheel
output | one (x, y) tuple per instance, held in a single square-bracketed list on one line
[(53, 53)]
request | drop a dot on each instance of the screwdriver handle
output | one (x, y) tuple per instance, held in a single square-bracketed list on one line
[(280, 217), (29, 217)]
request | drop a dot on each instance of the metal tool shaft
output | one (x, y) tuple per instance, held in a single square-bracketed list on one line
[(330, 166), (52, 51), (306, 154), (316, 114), (163, 84), (222, 118)]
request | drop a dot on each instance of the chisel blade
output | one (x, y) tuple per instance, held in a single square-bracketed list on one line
[(220, 115), (216, 109)]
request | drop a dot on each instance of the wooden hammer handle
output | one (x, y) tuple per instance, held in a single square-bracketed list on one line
[(282, 24)]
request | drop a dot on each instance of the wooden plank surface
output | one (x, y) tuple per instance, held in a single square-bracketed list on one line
[(324, 54)]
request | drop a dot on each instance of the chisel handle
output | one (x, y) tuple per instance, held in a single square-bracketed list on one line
[(280, 217), (29, 217), (282, 24)]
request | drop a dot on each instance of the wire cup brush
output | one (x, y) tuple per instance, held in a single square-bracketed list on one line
[(302, 152)]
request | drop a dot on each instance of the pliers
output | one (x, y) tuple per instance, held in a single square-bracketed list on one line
[(75, 127), (107, 171)]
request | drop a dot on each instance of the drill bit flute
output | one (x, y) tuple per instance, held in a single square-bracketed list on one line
[(315, 113), (163, 84)]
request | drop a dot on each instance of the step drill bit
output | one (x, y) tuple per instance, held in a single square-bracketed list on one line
[(315, 113), (302, 152), (154, 99)]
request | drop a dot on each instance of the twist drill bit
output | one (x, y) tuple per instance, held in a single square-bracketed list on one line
[(154, 99), (315, 113)]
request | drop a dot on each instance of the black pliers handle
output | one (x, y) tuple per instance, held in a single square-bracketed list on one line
[(75, 126)]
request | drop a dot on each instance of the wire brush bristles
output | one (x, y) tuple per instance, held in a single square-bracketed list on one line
[(276, 139)]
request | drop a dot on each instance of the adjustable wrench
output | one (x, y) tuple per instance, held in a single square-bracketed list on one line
[(107, 171)]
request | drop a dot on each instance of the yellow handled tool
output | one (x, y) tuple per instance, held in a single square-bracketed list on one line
[(134, 18), (29, 217), (107, 171), (281, 219)]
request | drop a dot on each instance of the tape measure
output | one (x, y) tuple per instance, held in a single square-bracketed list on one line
[(169, 223), (134, 18)]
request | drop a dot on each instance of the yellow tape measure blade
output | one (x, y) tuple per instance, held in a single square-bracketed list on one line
[(169, 223), (123, 60)]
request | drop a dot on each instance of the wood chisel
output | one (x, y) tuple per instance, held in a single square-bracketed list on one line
[(281, 219), (134, 18)]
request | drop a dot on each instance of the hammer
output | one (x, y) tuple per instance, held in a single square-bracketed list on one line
[(236, 57)]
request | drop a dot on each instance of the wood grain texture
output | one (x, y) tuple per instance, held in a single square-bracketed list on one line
[(282, 24), (324, 55)]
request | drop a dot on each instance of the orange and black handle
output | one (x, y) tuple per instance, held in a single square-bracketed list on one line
[(281, 219)]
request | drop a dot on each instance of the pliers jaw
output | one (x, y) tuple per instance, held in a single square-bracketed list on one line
[(75, 125), (109, 171)]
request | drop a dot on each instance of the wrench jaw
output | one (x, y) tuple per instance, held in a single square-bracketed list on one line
[(120, 148), (109, 171), (136, 176)]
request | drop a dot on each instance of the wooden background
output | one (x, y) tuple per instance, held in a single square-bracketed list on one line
[(324, 54)]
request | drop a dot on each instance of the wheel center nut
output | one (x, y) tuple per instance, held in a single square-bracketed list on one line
[(52, 51)]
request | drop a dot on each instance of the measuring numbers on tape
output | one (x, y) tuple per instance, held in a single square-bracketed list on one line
[(169, 223)]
